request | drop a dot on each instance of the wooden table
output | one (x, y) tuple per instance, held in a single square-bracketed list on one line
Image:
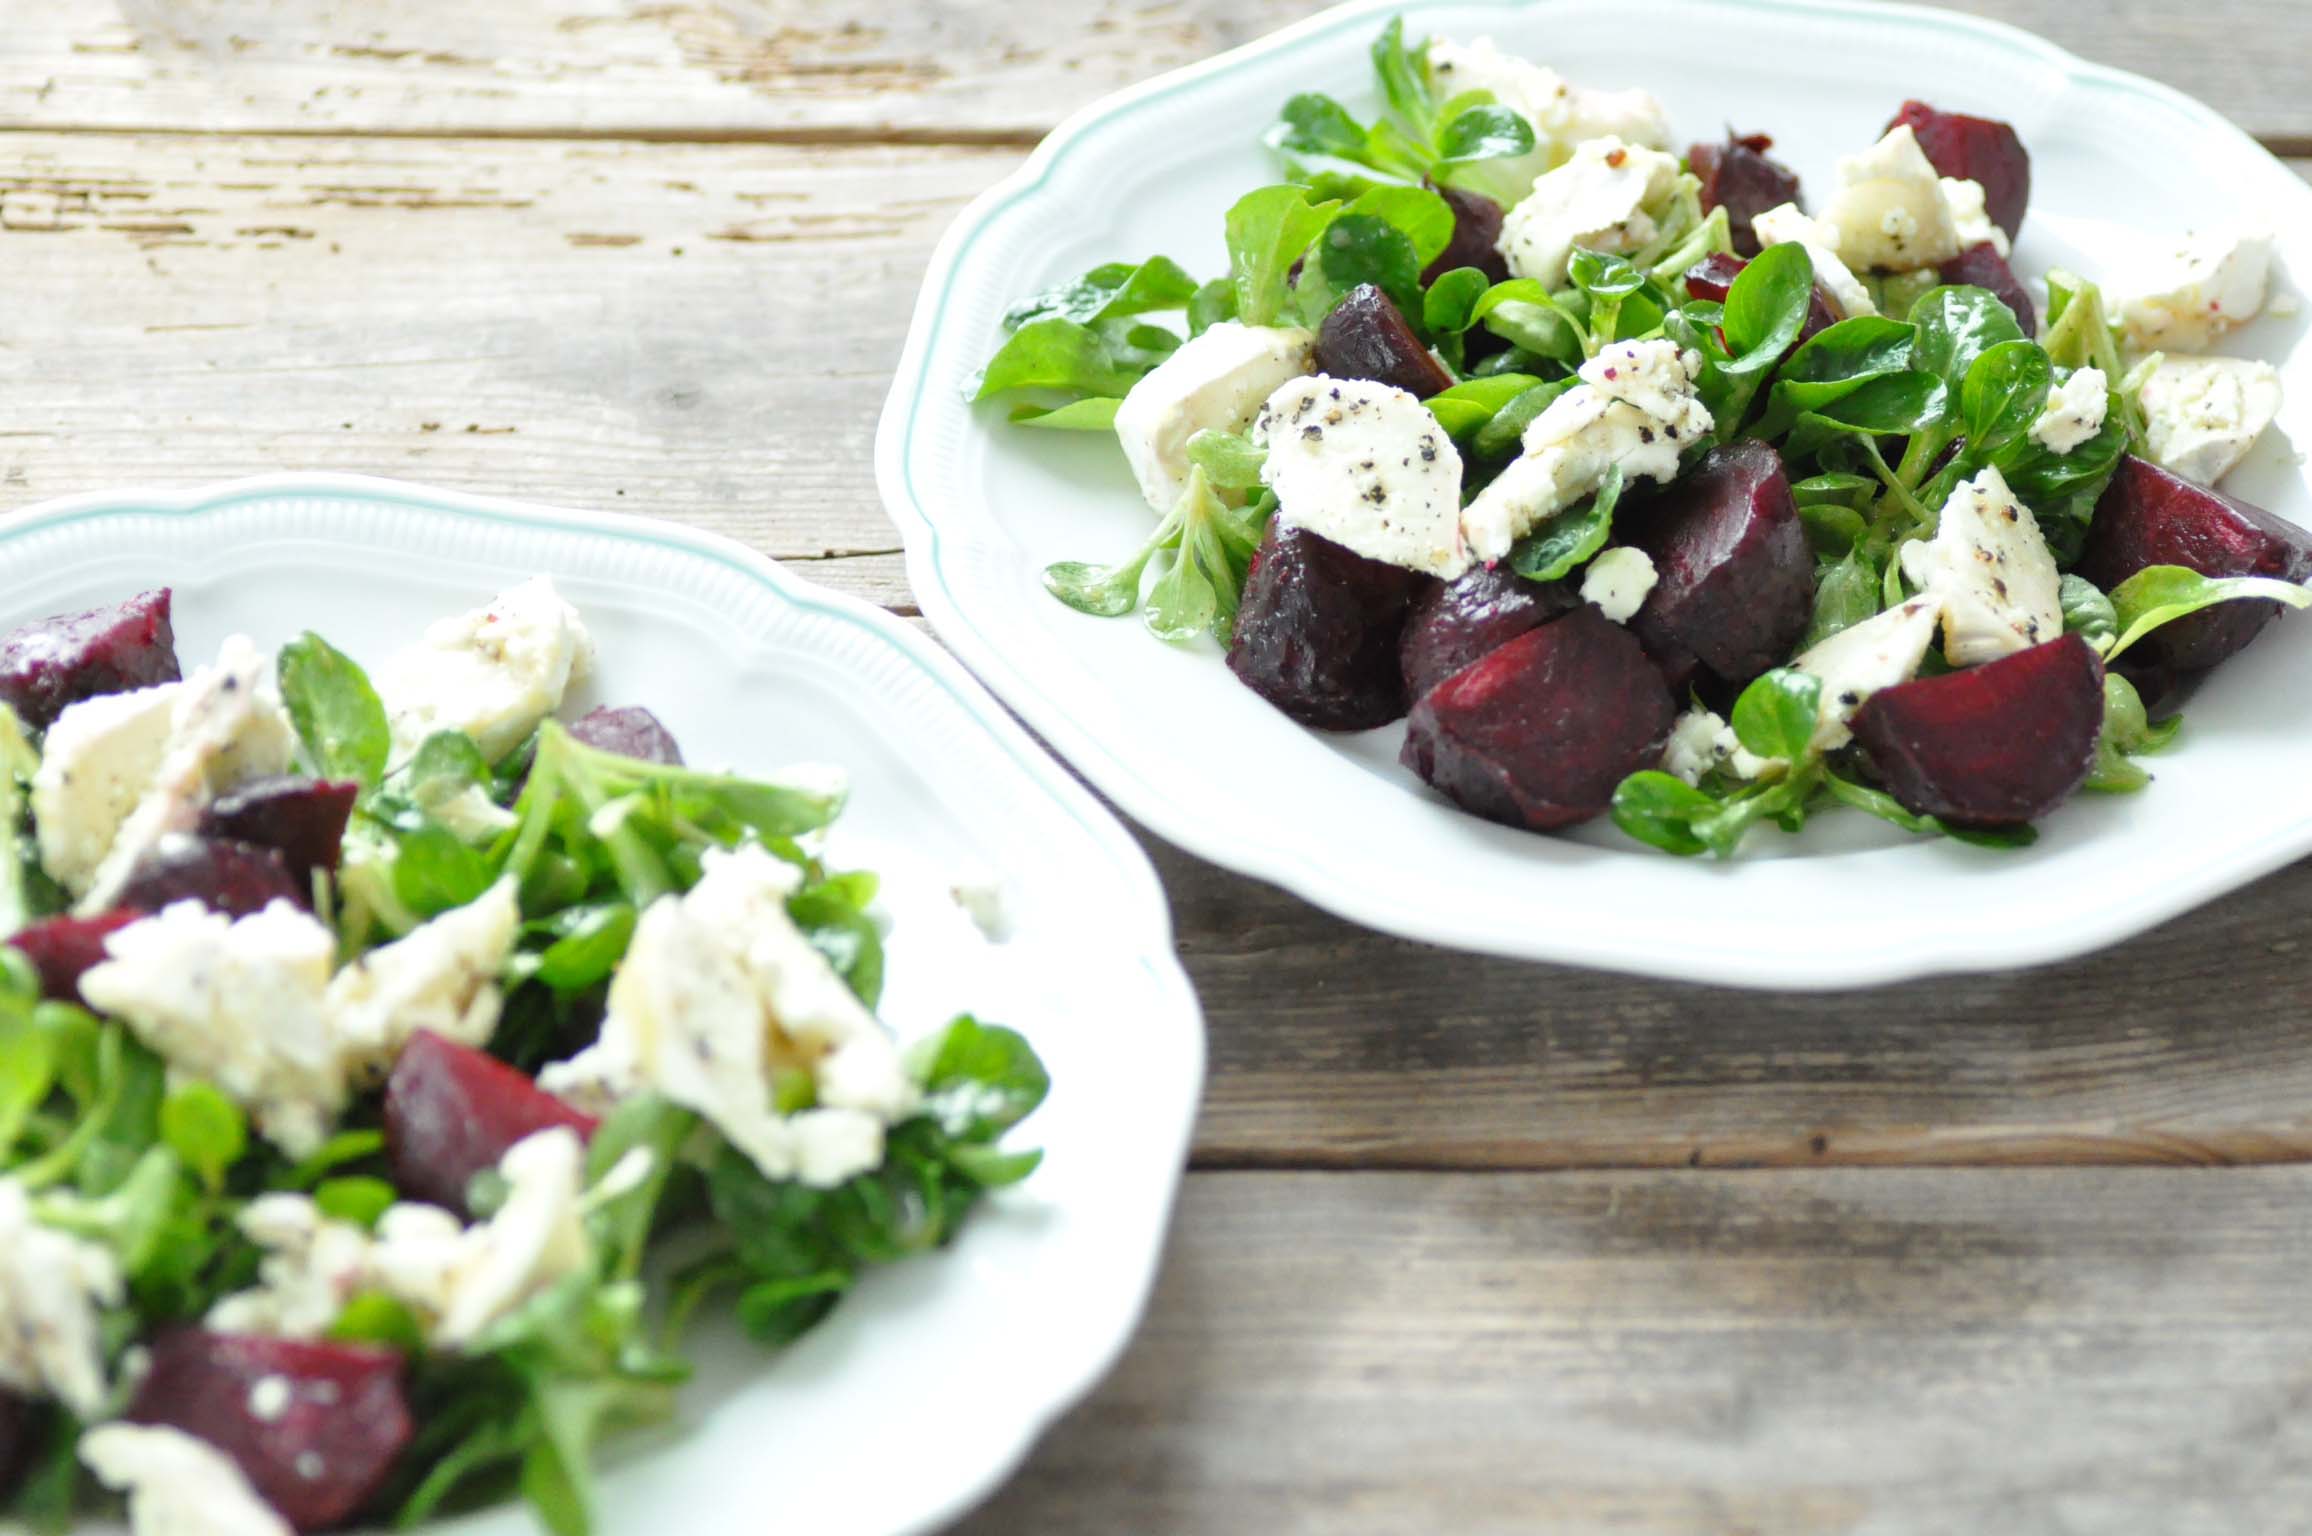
[(1468, 1246)]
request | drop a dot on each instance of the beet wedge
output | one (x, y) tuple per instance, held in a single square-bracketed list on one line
[(1317, 632), (301, 819), (1734, 587), (452, 1111), (1981, 266), (53, 663), (1997, 745), (1463, 621), (629, 731), (64, 949), (1538, 733), (2150, 516), (1980, 149), (1476, 238), (220, 873), (1365, 337), (1740, 177), (314, 1425)]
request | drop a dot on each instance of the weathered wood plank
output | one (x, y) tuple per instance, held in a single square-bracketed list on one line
[(698, 332), (711, 68), (2097, 1353)]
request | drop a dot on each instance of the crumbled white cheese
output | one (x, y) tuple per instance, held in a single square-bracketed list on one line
[(2203, 414), (1990, 571), (1367, 466), (177, 1485), (1701, 742), (2074, 412), (443, 976), (1561, 113), (1215, 382), (1636, 406), (2191, 296), (238, 1002), (52, 1287), (1618, 581), (1860, 660), (1785, 225), (100, 754), (1971, 216), (1609, 196), (494, 673), (1889, 209), (718, 995)]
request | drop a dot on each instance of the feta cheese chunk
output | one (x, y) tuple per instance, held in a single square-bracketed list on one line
[(1785, 225), (52, 1286), (1889, 209), (1971, 216), (1701, 742), (1606, 197), (2194, 294), (2203, 414), (177, 1485), (123, 771), (1860, 660), (238, 1002), (1215, 382), (1618, 581), (2074, 412), (456, 1279), (1561, 113), (1636, 406), (1367, 466), (1990, 571), (442, 976), (494, 673), (718, 996)]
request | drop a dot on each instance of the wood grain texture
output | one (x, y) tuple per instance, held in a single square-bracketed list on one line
[(942, 70), (1866, 1353)]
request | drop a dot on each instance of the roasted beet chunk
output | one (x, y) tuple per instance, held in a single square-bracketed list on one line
[(314, 1425), (452, 1111), (224, 875), (2150, 517), (1538, 733), (64, 949), (1740, 177), (1366, 338), (630, 732), (1734, 585), (1456, 623), (1975, 149), (303, 819), (51, 663), (1714, 274), (1993, 746), (1476, 238), (1317, 633), (1982, 266)]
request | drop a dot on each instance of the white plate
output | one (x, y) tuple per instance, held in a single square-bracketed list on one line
[(932, 1380), (1173, 739)]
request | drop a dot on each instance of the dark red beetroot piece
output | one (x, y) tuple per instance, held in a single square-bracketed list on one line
[(1714, 274), (2149, 516), (1458, 622), (64, 949), (1538, 733), (1476, 238), (324, 1454), (1982, 266), (54, 662), (221, 874), (1734, 578), (1740, 177), (1992, 746), (1366, 338), (630, 731), (1317, 632), (1980, 149), (452, 1111), (303, 819)]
